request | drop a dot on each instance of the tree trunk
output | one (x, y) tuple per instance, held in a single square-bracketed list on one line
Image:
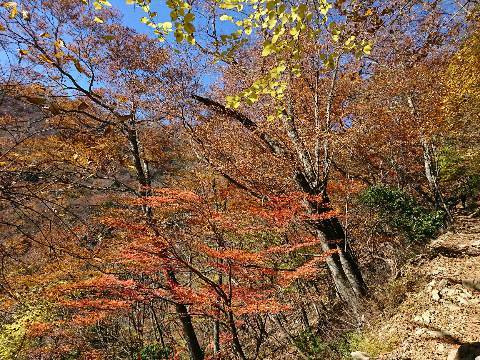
[(216, 337), (216, 324), (340, 280), (430, 163), (144, 179), (304, 318), (237, 346), (431, 173), (141, 168), (342, 264), (332, 231), (196, 352)]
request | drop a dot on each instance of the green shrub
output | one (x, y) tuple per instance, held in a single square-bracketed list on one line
[(155, 352), (311, 344), (459, 171), (402, 213), (341, 348), (355, 341), (13, 335), (72, 355)]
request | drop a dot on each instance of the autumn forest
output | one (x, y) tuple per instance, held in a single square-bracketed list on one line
[(227, 179)]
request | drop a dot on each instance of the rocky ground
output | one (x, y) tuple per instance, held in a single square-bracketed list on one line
[(439, 317)]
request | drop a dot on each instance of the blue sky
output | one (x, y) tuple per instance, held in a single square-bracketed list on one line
[(132, 14), (131, 18)]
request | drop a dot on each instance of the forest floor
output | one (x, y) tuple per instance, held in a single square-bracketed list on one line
[(438, 300)]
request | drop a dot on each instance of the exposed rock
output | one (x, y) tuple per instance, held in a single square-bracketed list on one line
[(440, 348), (445, 302), (420, 331), (438, 334), (358, 355), (472, 284), (456, 245), (425, 318)]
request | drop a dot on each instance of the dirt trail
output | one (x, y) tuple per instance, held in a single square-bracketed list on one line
[(443, 311)]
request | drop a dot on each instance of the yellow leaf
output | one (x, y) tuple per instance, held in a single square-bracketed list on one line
[(367, 49), (189, 17), (45, 58), (25, 15), (225, 17), (59, 43), (189, 28), (267, 49)]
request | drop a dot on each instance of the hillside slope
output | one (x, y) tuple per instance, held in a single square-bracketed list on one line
[(440, 312)]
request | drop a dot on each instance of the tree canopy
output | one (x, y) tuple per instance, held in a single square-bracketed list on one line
[(238, 181)]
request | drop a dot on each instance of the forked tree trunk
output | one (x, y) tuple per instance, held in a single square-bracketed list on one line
[(334, 233), (342, 266), (342, 263), (340, 280)]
